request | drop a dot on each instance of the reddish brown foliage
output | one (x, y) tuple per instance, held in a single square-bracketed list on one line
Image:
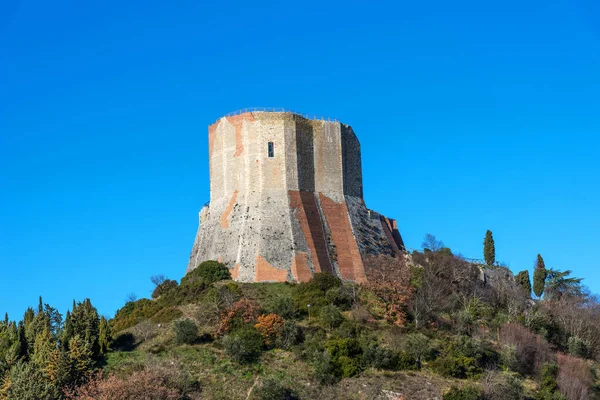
[(243, 310), (389, 279), (531, 350), (574, 378), (269, 326), (140, 385)]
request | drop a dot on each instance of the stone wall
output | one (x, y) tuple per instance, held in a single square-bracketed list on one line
[(292, 215)]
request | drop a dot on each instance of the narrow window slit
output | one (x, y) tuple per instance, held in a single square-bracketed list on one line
[(271, 150)]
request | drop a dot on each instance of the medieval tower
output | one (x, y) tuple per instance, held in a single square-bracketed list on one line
[(286, 201)]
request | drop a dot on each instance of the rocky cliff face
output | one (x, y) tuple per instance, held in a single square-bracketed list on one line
[(286, 201)]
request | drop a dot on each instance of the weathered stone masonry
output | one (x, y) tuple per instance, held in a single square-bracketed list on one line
[(286, 201)]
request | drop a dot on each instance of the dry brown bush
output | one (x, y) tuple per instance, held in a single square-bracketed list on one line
[(574, 378), (361, 314), (139, 385), (531, 350), (502, 386), (389, 279), (577, 316)]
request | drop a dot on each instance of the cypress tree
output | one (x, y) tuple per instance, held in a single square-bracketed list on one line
[(522, 279), (539, 276), (22, 339), (104, 336), (67, 331), (540, 262), (489, 250)]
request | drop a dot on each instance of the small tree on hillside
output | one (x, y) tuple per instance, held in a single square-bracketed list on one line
[(559, 284), (163, 287), (158, 279), (431, 244), (539, 276), (388, 278), (489, 249), (186, 331), (208, 271), (522, 279)]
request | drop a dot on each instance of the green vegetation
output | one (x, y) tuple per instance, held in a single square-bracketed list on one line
[(209, 272), (186, 331), (464, 393), (489, 249), (522, 278), (539, 276), (424, 326)]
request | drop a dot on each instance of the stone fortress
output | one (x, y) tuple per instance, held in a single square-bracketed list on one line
[(286, 201)]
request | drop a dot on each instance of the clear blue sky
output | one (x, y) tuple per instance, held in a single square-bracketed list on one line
[(471, 115)]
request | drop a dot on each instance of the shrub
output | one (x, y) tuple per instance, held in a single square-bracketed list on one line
[(324, 281), (548, 384), (345, 357), (313, 344), (244, 346), (361, 314), (132, 313), (144, 331), (166, 315), (324, 369), (187, 292), (186, 331), (380, 358), (331, 316), (214, 301), (405, 361), (270, 327), (290, 335), (313, 292), (242, 312), (209, 272), (343, 347), (418, 347), (463, 393), (531, 350), (348, 329), (271, 389), (502, 386), (456, 366), (140, 385), (577, 347), (389, 282), (283, 306), (575, 379), (163, 288), (508, 357), (347, 366), (339, 297), (465, 358)]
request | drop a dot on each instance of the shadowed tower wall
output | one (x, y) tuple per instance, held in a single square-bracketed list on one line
[(286, 201)]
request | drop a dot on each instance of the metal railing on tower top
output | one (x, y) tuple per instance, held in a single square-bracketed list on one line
[(278, 109)]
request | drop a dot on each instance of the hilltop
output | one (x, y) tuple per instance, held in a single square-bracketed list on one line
[(426, 325)]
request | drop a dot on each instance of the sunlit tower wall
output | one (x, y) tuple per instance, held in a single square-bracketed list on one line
[(286, 201)]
